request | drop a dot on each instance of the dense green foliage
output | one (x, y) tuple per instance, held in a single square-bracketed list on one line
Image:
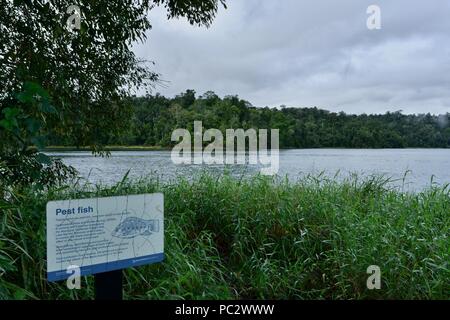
[(257, 238), (72, 83), (155, 117)]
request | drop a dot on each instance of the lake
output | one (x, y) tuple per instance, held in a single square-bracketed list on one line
[(423, 165)]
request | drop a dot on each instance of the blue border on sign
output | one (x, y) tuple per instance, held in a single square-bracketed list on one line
[(108, 266)]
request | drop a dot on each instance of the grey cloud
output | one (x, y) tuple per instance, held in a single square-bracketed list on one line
[(305, 54)]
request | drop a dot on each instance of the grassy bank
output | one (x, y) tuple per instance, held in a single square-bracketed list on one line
[(257, 238)]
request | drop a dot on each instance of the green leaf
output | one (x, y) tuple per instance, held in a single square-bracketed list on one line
[(20, 294), (25, 97), (32, 91), (35, 89), (10, 112), (33, 125), (46, 107), (43, 159), (10, 121), (6, 124)]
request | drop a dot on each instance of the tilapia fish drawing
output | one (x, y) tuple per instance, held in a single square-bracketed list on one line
[(132, 227)]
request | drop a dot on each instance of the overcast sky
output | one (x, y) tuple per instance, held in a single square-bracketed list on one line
[(311, 53)]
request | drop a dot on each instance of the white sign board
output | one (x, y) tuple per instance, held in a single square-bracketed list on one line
[(104, 234)]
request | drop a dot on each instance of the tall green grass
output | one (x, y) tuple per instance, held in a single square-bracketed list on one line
[(256, 238)]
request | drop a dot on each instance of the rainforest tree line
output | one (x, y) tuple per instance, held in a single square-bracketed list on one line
[(155, 117)]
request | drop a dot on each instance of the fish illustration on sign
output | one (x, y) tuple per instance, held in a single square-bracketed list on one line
[(132, 227)]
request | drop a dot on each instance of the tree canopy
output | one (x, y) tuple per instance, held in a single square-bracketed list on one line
[(55, 81), (155, 117)]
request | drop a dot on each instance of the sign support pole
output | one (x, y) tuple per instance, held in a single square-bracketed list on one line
[(108, 285)]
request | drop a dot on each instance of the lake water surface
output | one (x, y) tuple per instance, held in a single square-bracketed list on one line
[(423, 165)]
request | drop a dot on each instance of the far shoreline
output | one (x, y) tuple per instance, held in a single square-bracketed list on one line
[(159, 148), (106, 148)]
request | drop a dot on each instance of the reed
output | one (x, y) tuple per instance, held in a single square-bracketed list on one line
[(255, 238)]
